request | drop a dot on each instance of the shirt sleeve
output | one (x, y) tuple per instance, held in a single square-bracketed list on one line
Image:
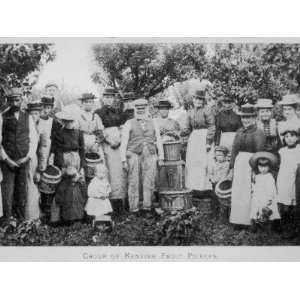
[(33, 138), (187, 127), (218, 130), (81, 149), (211, 127), (158, 141), (124, 140)]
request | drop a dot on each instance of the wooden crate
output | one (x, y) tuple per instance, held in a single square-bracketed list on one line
[(171, 176)]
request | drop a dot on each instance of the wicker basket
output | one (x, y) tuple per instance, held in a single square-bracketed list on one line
[(92, 160), (49, 180), (175, 200), (223, 192), (172, 150)]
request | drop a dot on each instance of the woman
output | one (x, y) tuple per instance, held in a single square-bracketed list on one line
[(268, 125), (227, 123), (32, 210), (248, 140), (112, 118), (289, 108), (69, 156), (201, 126)]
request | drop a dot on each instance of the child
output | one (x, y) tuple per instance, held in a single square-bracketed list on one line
[(289, 160), (220, 167), (98, 204), (219, 170), (264, 193)]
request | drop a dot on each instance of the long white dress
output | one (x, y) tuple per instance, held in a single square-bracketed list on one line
[(264, 190), (241, 190), (198, 161), (32, 209), (289, 160), (98, 202)]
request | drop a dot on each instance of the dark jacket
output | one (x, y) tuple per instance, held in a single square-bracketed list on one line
[(226, 121), (251, 139), (15, 134)]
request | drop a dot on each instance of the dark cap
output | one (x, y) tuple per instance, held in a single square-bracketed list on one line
[(87, 96), (46, 100), (129, 96), (165, 104), (110, 92), (247, 110), (200, 94), (32, 106)]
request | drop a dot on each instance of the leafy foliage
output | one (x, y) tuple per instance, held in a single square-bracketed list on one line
[(17, 61), (147, 69)]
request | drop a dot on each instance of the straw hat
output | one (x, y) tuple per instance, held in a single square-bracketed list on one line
[(34, 106), (290, 99), (46, 100), (65, 115), (288, 127), (247, 110), (263, 155), (140, 103), (264, 103), (165, 104)]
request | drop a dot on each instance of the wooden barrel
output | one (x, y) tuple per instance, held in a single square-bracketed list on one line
[(172, 150), (92, 160), (175, 200), (49, 180), (171, 176), (223, 192)]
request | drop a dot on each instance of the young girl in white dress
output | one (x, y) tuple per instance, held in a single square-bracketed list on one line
[(98, 205), (286, 180), (264, 192)]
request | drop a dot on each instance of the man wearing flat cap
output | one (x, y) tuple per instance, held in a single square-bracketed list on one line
[(52, 90), (169, 128), (140, 143), (19, 144), (112, 119), (91, 125)]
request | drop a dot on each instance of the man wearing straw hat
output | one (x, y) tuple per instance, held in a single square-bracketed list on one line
[(140, 144)]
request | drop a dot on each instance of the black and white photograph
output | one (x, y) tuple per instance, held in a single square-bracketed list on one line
[(121, 142)]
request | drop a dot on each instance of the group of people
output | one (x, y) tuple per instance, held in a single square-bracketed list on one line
[(246, 145)]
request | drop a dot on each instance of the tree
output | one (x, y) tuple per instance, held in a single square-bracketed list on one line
[(17, 61), (147, 69)]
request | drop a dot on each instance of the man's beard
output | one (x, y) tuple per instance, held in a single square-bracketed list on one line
[(14, 108)]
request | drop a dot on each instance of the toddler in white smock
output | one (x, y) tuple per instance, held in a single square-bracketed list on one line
[(98, 204)]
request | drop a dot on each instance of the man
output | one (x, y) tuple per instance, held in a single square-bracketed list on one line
[(112, 120), (51, 90), (169, 128), (19, 142), (91, 125), (140, 142), (128, 99)]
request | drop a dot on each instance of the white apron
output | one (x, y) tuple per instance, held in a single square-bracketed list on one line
[(197, 162), (227, 139), (241, 190), (116, 174), (32, 208), (1, 204)]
